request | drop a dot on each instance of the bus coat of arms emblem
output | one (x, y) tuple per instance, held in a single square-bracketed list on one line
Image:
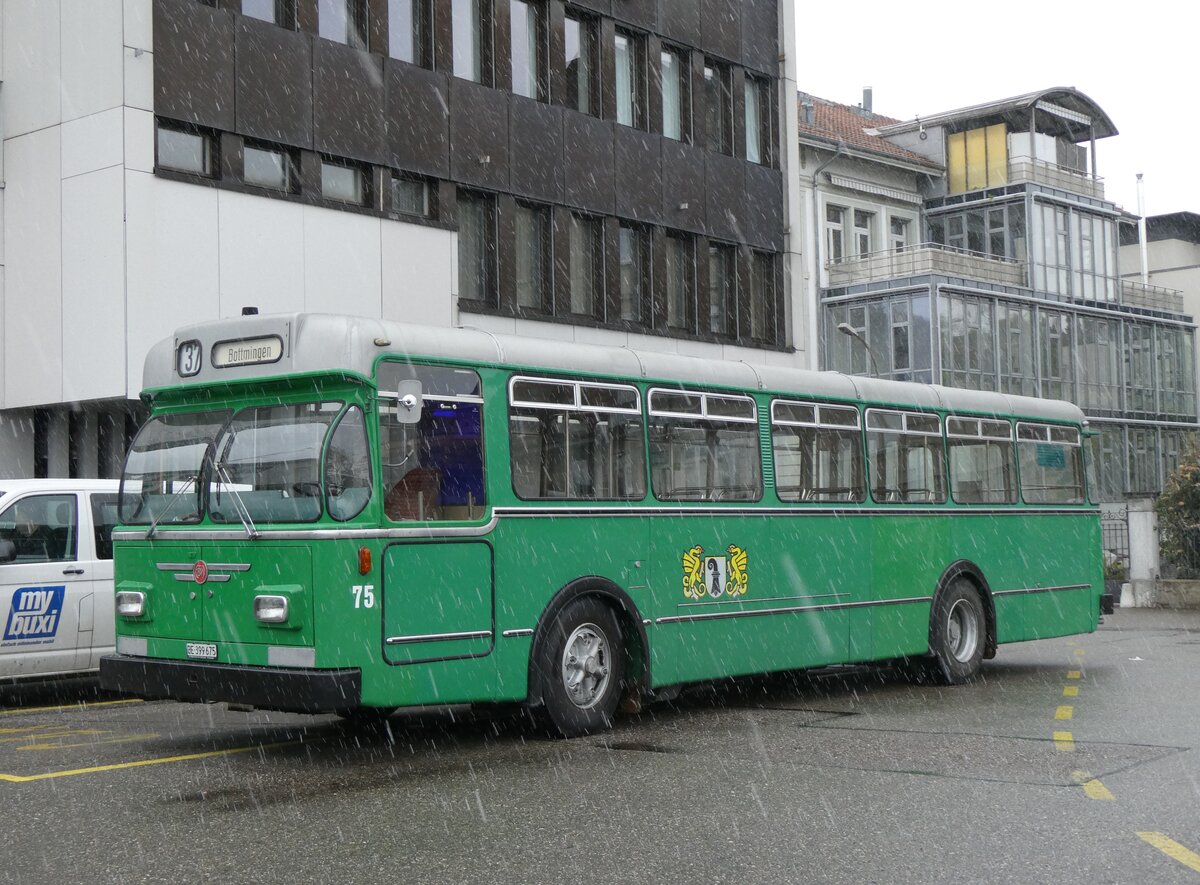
[(715, 576)]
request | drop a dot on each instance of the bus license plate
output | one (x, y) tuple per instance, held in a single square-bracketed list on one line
[(202, 651)]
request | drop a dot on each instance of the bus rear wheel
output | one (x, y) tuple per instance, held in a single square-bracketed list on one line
[(958, 633), (581, 667)]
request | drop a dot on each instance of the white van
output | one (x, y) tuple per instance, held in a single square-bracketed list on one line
[(56, 576)]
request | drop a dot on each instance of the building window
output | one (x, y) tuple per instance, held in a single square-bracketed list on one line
[(467, 35), (531, 231), (835, 234), (410, 196), (758, 121), (343, 21), (679, 274), (581, 63), (628, 85), (528, 49), (1014, 335), (722, 289), (476, 248), (634, 255), (1058, 374), (585, 251), (410, 31), (675, 93), (718, 104), (762, 307), (277, 12), (184, 150), (863, 223), (968, 355), (268, 167), (343, 183), (898, 233)]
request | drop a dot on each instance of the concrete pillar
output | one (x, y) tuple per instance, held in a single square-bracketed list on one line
[(1143, 552), (16, 445)]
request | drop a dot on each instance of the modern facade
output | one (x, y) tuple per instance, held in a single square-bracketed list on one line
[(976, 249), (609, 171)]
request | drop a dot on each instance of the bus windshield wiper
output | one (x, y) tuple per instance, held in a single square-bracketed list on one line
[(191, 481), (239, 505)]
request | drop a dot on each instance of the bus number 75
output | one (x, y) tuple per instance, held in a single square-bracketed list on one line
[(364, 595)]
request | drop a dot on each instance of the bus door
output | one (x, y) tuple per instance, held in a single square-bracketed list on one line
[(438, 575), (43, 585)]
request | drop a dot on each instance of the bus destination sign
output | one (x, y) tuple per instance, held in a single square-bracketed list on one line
[(247, 352)]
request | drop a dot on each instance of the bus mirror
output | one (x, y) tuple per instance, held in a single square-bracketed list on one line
[(408, 402)]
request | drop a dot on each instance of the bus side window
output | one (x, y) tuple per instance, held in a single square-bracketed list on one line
[(906, 457), (981, 461), (432, 470), (818, 452), (704, 447), (348, 467)]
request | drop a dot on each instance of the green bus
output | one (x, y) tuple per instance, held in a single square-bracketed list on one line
[(337, 514)]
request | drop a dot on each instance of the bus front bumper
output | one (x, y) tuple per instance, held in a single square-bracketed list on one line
[(269, 688)]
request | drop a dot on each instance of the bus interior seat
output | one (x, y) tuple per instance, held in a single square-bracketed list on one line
[(415, 496)]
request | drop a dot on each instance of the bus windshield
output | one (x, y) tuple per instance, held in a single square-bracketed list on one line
[(161, 481), (261, 464)]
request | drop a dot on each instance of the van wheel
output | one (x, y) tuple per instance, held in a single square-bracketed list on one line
[(581, 668), (958, 632)]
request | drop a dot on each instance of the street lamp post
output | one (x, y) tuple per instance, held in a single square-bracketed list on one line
[(850, 331)]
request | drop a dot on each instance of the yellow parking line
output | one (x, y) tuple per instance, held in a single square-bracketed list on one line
[(1066, 711), (1071, 691), (1064, 741), (1092, 786), (22, 779), (1079, 652), (1172, 849), (61, 707), (1074, 674)]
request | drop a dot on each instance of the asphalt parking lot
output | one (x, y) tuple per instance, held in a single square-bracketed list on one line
[(1072, 760)]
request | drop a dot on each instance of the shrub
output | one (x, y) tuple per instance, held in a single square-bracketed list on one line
[(1178, 510)]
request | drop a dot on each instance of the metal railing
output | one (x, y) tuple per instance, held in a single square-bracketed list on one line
[(923, 259), (1140, 294), (1053, 175)]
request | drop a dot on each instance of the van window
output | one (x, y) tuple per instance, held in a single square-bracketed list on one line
[(104, 520), (41, 528)]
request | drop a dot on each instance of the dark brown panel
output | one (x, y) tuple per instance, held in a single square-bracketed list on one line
[(725, 182), (602, 6), (347, 102), (764, 207), (478, 135), (536, 150), (721, 28), (760, 36), (683, 186), (679, 21), (640, 13), (589, 162), (377, 26), (739, 112), (417, 128), (274, 83), (556, 39), (193, 63), (639, 175)]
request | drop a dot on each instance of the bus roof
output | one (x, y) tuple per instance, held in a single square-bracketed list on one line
[(277, 345)]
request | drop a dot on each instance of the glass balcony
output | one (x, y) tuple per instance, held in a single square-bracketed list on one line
[(1138, 294)]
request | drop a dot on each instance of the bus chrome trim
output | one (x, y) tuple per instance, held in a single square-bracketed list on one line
[(426, 532), (762, 599), (1058, 589), (438, 637), (791, 609), (524, 631)]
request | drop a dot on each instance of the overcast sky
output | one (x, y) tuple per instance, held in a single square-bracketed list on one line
[(1138, 61)]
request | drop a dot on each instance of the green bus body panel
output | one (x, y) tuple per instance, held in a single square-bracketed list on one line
[(436, 589)]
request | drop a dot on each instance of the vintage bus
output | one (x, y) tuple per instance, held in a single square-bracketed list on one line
[(326, 513)]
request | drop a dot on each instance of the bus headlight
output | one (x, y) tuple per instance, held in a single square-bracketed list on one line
[(131, 603), (271, 609)]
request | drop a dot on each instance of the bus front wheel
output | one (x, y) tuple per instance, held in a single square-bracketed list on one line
[(581, 666), (959, 632)]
